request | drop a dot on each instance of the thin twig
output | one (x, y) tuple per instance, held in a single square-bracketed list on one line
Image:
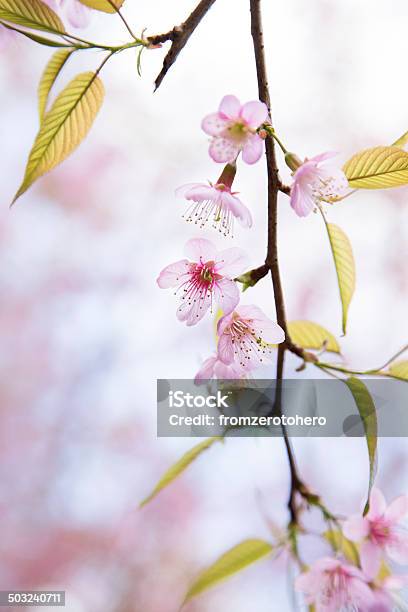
[(119, 13), (179, 37)]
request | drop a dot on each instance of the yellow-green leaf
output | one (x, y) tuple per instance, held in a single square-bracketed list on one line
[(49, 76), (399, 370), (345, 267), (339, 543), (378, 168), (310, 335), (32, 14), (366, 408), (231, 562), (103, 5), (402, 140), (64, 126), (179, 467)]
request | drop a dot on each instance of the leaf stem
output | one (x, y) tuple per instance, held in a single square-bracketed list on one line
[(119, 13)]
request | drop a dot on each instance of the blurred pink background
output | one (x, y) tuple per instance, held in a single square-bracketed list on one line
[(86, 332)]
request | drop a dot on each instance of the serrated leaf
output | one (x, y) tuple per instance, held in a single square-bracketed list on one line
[(103, 5), (231, 562), (402, 140), (366, 408), (310, 335), (49, 76), (399, 370), (377, 168), (32, 14), (339, 543), (179, 467), (64, 126), (345, 267)]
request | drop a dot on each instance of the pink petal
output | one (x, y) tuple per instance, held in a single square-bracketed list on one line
[(192, 312), (206, 371), (238, 209), (198, 249), (223, 323), (183, 191), (231, 262), (301, 201), (226, 294), (397, 510), (229, 107), (174, 274), (356, 528), (222, 150), (360, 593), (370, 557), (269, 331), (397, 550), (253, 149), (78, 15), (323, 156), (252, 312), (225, 349), (378, 505), (254, 113), (228, 372), (214, 124)]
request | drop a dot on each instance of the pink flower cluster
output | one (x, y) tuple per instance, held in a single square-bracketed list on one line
[(332, 585)]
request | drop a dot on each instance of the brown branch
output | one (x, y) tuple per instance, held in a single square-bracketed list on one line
[(179, 37), (274, 186)]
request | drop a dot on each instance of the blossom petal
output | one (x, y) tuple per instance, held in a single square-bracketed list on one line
[(223, 323), (226, 294), (356, 528), (323, 156), (222, 150), (397, 509), (78, 15), (214, 124), (174, 274), (301, 201), (254, 113), (183, 190), (378, 505), (225, 349), (397, 549), (370, 557), (200, 249), (238, 209), (231, 262), (228, 372), (206, 372), (229, 107), (192, 311), (252, 150)]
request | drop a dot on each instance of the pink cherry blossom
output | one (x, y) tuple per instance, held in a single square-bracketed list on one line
[(205, 276), (234, 129), (77, 14), (217, 202), (386, 596), (314, 182), (380, 532), (213, 367), (244, 336), (334, 586)]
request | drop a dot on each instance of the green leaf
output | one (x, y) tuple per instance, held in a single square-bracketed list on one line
[(399, 370), (49, 76), (47, 42), (339, 543), (64, 126), (310, 335), (103, 5), (32, 14), (179, 467), (231, 562), (402, 140), (366, 408), (345, 267), (378, 168)]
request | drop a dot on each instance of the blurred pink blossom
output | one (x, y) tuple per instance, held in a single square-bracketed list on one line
[(214, 367), (380, 532), (208, 276), (314, 183), (332, 585), (245, 335), (77, 14), (234, 129)]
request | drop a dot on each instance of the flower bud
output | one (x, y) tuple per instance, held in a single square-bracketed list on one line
[(293, 161)]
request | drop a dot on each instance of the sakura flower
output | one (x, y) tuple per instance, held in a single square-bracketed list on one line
[(386, 596), (314, 182), (234, 129), (213, 367), (334, 586), (205, 276), (217, 202), (380, 532), (77, 14), (244, 336)]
